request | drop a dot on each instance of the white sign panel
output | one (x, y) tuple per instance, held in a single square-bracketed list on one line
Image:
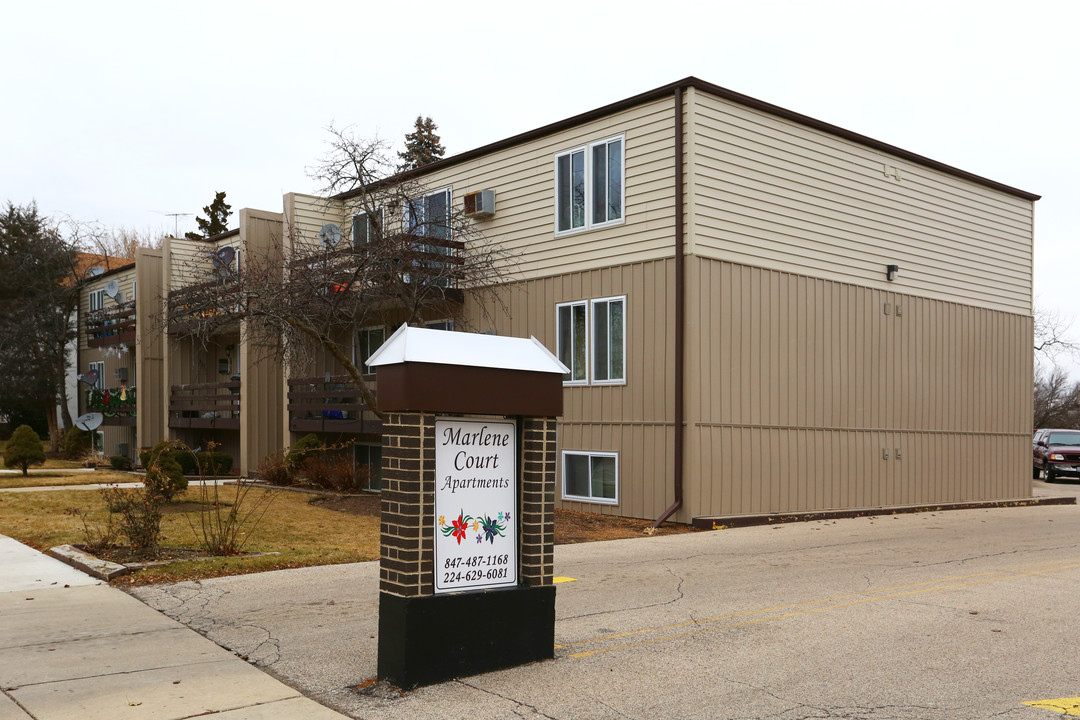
[(476, 545)]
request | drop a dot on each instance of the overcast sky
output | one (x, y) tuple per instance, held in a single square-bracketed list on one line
[(126, 112)]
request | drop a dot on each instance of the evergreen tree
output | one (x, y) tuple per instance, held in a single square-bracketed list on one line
[(24, 449), (422, 146), (217, 219)]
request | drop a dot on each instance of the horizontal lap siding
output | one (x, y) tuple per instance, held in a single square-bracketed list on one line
[(776, 194), (797, 383), (523, 178), (635, 420)]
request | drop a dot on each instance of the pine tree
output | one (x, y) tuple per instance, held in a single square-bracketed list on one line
[(24, 449), (422, 146), (217, 219)]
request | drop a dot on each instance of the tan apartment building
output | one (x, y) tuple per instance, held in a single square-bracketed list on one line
[(119, 355), (761, 312), (222, 389)]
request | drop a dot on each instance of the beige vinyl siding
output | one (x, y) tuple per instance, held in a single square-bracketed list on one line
[(305, 215), (796, 384), (634, 420), (774, 193), (523, 178)]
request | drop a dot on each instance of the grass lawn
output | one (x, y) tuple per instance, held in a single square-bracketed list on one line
[(64, 478), (294, 526)]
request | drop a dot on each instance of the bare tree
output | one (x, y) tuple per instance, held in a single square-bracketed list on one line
[(1051, 331), (1056, 401), (404, 255)]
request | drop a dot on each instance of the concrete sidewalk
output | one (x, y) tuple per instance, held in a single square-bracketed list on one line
[(73, 647)]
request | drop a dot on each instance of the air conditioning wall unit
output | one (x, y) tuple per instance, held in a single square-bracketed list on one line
[(480, 205), (122, 374)]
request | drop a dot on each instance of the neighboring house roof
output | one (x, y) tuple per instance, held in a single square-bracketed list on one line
[(112, 265), (731, 95)]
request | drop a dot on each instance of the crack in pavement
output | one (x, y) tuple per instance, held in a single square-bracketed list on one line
[(517, 703)]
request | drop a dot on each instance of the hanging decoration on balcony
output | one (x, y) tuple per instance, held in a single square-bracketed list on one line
[(112, 402)]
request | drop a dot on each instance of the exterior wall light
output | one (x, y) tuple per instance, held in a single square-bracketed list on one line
[(891, 271)]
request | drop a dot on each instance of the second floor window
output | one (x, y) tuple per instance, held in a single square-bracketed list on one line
[(429, 215), (591, 340), (366, 227), (97, 300), (589, 186)]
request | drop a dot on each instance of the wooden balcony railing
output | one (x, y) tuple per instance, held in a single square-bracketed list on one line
[(199, 301), (205, 405), (331, 403), (111, 326)]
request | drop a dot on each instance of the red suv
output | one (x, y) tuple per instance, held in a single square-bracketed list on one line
[(1056, 453)]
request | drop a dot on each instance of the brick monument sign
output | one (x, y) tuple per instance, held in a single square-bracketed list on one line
[(468, 490)]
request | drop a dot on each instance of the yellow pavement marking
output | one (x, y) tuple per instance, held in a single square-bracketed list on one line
[(561, 579), (1066, 706), (882, 594)]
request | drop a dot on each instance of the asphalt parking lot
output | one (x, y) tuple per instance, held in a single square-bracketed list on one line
[(939, 615)]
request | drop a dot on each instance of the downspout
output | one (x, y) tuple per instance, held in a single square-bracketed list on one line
[(680, 314)]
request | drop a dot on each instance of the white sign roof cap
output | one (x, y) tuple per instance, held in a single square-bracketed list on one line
[(410, 344)]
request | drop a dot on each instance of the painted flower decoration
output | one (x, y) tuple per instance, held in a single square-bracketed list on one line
[(442, 520), (458, 527), (492, 528)]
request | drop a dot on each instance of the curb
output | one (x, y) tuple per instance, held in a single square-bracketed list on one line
[(721, 522), (96, 567)]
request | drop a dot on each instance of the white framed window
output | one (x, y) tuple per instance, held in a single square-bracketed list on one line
[(371, 457), (572, 343), (366, 227), (589, 182), (429, 215), (590, 476), (609, 340), (368, 340), (97, 299), (100, 367), (591, 340)]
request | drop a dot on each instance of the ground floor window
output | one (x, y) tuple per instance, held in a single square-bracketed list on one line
[(368, 459), (590, 476)]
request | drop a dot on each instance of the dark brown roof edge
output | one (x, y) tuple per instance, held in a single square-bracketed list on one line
[(694, 82), (107, 273)]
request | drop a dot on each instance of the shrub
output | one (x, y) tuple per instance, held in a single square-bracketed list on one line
[(214, 463), (140, 516), (24, 449), (304, 449), (164, 478), (272, 469), (121, 462), (74, 444), (335, 472)]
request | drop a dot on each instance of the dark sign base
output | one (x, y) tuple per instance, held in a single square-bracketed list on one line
[(425, 640)]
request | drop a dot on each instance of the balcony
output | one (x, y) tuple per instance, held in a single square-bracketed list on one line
[(205, 405), (331, 404), (117, 404), (197, 303), (111, 326)]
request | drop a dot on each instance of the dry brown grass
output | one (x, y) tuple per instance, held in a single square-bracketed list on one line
[(303, 533), (48, 479)]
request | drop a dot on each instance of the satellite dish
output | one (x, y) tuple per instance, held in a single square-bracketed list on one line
[(224, 257), (94, 271), (111, 288), (89, 422), (118, 297), (89, 378), (330, 235)]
